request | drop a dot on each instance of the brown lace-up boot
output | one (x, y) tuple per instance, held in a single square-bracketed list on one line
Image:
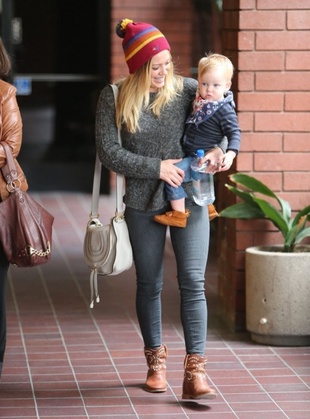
[(173, 218), (156, 375), (195, 384)]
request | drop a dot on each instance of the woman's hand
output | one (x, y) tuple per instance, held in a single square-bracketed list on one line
[(171, 173)]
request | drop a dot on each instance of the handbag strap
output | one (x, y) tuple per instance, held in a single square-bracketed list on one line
[(97, 179), (9, 170)]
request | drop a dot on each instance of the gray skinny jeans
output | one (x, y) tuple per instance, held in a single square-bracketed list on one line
[(191, 246)]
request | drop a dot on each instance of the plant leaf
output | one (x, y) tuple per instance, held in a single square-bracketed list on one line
[(274, 215), (246, 196), (243, 210), (256, 186), (286, 209), (303, 234), (304, 211), (252, 184), (253, 206)]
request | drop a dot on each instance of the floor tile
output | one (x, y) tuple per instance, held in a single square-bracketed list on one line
[(67, 361)]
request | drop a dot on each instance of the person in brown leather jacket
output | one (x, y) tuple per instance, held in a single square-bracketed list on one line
[(11, 132)]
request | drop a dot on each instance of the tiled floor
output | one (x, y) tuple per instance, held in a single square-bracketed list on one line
[(64, 360)]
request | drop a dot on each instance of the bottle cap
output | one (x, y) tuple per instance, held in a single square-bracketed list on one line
[(200, 153)]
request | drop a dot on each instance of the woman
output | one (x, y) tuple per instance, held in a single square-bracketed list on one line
[(11, 132), (152, 107)]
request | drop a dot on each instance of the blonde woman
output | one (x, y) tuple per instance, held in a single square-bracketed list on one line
[(152, 107)]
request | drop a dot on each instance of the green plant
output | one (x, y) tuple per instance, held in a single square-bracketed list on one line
[(293, 229)]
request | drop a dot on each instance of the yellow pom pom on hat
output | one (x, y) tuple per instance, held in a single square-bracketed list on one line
[(141, 41)]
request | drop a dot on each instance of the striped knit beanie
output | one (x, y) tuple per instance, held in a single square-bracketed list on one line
[(141, 41)]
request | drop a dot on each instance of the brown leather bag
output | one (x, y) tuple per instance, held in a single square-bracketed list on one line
[(25, 226), (4, 193)]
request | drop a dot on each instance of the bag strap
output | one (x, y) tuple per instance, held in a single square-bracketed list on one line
[(9, 170), (97, 179)]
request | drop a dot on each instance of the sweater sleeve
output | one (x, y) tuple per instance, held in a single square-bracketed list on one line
[(111, 153), (231, 129)]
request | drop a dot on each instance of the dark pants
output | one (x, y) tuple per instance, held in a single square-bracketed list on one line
[(4, 265), (190, 245)]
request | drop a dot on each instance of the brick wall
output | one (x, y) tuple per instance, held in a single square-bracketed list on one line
[(269, 43)]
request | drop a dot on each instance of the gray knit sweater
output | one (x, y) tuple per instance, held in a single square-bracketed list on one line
[(139, 159)]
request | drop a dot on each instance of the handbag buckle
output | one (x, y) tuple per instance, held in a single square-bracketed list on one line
[(13, 185), (119, 217)]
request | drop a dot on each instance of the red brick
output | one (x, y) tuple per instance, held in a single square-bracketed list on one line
[(269, 178), (296, 142), (296, 60), (247, 4), (288, 81), (296, 102), (244, 162), (298, 200), (237, 281), (261, 141), (260, 101), (236, 263), (268, 238), (297, 181), (239, 260), (243, 240), (259, 20), (272, 179), (277, 147), (298, 20), (246, 40), (278, 162), (282, 4), (257, 225), (257, 61), (246, 81), (246, 121), (281, 41), (289, 121)]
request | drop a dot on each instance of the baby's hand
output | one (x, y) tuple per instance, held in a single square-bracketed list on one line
[(227, 161)]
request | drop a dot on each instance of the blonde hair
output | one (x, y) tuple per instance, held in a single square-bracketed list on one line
[(212, 61), (134, 94)]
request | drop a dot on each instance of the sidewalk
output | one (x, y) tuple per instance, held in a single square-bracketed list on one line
[(66, 361)]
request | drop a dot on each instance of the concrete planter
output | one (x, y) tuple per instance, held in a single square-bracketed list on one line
[(278, 296)]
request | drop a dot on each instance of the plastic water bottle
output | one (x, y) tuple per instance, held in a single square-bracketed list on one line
[(203, 184)]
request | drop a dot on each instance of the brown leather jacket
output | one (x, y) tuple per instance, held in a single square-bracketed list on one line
[(10, 131)]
